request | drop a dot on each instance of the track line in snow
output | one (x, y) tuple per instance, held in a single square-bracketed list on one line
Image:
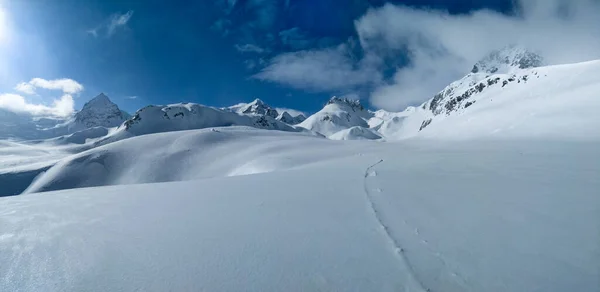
[(399, 250), (460, 280)]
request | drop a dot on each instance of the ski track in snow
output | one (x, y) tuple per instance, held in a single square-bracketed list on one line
[(399, 250)]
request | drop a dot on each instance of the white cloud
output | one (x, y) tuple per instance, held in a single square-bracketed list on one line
[(319, 70), (65, 85), (60, 107), (93, 32), (110, 26), (249, 48), (441, 47), (25, 87), (63, 106), (118, 20), (132, 97)]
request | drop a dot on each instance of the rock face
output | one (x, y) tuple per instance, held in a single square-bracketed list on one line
[(99, 112), (499, 68)]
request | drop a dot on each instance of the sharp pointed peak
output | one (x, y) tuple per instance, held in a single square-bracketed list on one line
[(257, 101)]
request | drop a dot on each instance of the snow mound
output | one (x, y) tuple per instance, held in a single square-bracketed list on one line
[(356, 133), (184, 155), (337, 115), (80, 137)]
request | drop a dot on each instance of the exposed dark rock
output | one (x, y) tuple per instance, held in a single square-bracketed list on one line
[(425, 123)]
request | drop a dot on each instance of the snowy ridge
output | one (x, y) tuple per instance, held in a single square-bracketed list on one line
[(187, 116), (258, 107), (552, 101)]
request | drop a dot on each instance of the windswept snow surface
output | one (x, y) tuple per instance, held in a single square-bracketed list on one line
[(476, 216), (185, 155), (21, 162)]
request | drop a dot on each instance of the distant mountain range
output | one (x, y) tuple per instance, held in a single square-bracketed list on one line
[(497, 87)]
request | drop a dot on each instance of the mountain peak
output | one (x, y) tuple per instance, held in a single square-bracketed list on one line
[(354, 104), (257, 101), (99, 111), (258, 107), (506, 59), (101, 100)]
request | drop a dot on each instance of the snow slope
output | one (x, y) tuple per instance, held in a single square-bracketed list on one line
[(550, 102), (412, 216), (356, 133), (186, 155), (21, 162)]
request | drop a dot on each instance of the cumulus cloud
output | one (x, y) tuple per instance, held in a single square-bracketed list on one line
[(319, 70), (440, 47), (25, 87), (62, 106), (65, 85)]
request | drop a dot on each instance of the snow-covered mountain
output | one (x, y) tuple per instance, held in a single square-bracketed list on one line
[(259, 108), (287, 118), (518, 101), (99, 112), (508, 93), (338, 114), (190, 116), (507, 60)]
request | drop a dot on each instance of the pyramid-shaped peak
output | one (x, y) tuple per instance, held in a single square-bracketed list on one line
[(100, 100), (257, 101), (258, 107), (101, 96), (507, 58)]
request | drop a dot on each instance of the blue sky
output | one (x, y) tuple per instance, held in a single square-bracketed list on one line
[(217, 52)]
